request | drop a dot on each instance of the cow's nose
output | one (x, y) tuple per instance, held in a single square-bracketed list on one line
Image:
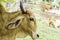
[(38, 35)]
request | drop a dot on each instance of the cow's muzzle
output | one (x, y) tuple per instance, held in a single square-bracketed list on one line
[(37, 35)]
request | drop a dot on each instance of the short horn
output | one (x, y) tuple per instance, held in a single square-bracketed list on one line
[(21, 7)]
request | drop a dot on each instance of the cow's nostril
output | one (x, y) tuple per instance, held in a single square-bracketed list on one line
[(37, 35)]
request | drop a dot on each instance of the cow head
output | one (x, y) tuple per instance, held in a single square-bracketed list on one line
[(26, 22), (29, 22)]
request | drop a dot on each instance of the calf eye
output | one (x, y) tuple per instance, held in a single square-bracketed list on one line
[(31, 19)]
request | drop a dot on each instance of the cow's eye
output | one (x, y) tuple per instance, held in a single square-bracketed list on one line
[(31, 19)]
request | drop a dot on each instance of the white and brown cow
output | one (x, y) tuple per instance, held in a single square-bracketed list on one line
[(17, 24)]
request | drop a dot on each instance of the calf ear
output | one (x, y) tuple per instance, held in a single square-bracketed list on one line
[(14, 25), (11, 26)]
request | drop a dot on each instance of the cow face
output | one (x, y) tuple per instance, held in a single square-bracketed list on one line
[(29, 22)]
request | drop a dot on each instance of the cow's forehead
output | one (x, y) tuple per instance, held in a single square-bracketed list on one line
[(30, 14)]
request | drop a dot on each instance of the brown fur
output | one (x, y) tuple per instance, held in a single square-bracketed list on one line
[(24, 28)]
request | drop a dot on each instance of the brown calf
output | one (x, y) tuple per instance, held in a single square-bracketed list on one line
[(17, 24)]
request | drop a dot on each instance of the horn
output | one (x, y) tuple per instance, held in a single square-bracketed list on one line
[(21, 7)]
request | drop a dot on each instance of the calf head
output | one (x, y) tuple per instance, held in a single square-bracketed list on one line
[(26, 22)]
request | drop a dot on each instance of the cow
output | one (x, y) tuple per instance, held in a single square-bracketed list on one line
[(17, 24), (52, 21), (46, 6)]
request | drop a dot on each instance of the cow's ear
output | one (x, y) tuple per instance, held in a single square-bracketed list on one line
[(13, 25)]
